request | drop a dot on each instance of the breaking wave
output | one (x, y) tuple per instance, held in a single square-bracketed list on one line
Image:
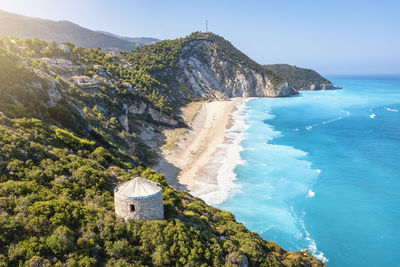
[(224, 162), (312, 245)]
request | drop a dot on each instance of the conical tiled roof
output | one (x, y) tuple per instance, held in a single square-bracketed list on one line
[(138, 187)]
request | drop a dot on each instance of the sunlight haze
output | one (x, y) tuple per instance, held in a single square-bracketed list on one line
[(339, 37)]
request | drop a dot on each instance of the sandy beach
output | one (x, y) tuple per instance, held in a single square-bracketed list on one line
[(186, 165)]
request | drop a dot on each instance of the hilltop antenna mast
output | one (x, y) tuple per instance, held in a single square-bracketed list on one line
[(206, 25)]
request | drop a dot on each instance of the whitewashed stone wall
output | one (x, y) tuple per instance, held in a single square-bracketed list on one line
[(146, 208)]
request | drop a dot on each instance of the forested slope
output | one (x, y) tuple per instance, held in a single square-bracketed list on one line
[(64, 147), (302, 79)]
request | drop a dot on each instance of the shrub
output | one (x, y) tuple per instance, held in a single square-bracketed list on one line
[(62, 241), (73, 141)]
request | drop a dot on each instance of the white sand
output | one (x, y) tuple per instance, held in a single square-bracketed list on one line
[(183, 165)]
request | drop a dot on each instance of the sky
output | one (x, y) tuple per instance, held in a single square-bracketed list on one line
[(329, 36)]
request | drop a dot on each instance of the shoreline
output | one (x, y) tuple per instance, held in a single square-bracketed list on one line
[(191, 165)]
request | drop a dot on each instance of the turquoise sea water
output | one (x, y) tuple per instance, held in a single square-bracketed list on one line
[(321, 171)]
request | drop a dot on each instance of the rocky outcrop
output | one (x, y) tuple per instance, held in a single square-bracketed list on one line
[(316, 86), (123, 119), (160, 118), (137, 108), (244, 262), (234, 259), (142, 108)]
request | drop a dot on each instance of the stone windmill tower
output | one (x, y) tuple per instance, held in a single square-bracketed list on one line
[(139, 199)]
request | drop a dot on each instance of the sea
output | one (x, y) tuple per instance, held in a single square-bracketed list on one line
[(319, 171)]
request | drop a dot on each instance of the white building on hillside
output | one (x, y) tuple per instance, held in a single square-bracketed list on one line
[(139, 199), (64, 62), (81, 79), (49, 61), (58, 61)]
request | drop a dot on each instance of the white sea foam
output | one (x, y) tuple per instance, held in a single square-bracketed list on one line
[(267, 229), (226, 159), (312, 245), (347, 114), (372, 116), (274, 192), (392, 110), (310, 193)]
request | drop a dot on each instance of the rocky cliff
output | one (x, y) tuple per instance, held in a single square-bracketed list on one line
[(202, 66), (206, 68)]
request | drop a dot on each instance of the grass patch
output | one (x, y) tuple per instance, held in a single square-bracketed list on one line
[(188, 113)]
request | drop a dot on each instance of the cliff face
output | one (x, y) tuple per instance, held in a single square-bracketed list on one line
[(307, 86), (207, 71), (206, 66)]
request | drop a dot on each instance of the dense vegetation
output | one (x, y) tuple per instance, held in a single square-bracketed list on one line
[(58, 168), (56, 206), (139, 77), (298, 78)]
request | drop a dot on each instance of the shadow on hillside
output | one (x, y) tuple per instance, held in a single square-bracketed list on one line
[(171, 173)]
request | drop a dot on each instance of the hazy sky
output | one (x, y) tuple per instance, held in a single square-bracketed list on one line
[(332, 37)]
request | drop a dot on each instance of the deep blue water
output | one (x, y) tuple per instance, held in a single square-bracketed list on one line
[(321, 171)]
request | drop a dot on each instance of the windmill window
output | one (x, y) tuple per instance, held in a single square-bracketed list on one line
[(132, 207)]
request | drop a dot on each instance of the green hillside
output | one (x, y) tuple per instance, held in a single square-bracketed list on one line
[(300, 78), (64, 147)]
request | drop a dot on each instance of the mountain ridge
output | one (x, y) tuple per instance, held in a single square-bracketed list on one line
[(60, 32), (65, 31), (205, 65)]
